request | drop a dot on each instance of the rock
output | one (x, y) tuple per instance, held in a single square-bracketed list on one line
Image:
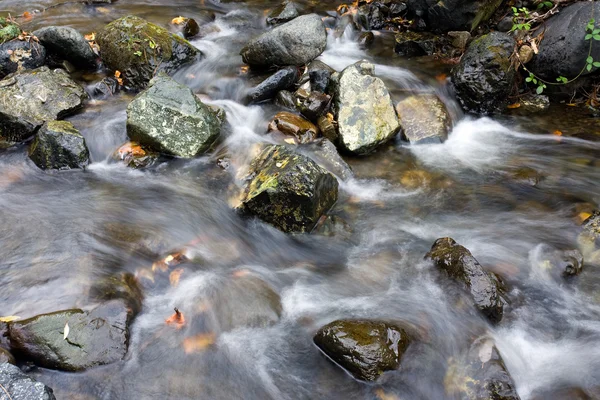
[(525, 54), (19, 386), (315, 105), (19, 55), (294, 125), (106, 87), (31, 98), (424, 119), (169, 119), (123, 286), (187, 27), (397, 9), (6, 357), (485, 77), (286, 12), (139, 49), (506, 24), (294, 43), (68, 44), (563, 50), (283, 79), (531, 103), (415, 44), (288, 190), (461, 266), (328, 128), (135, 156), (8, 31), (460, 39), (364, 111), (364, 348), (566, 262), (591, 226), (481, 374), (319, 75), (58, 145), (286, 99), (366, 39), (453, 15), (324, 153), (94, 338)]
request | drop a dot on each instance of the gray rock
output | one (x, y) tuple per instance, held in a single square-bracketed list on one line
[(460, 265), (288, 190), (31, 98), (96, 338), (58, 145), (286, 99), (68, 44), (563, 50), (283, 79), (18, 55), (453, 15), (324, 153), (485, 76), (294, 43), (460, 39), (286, 12), (169, 119), (364, 111), (424, 119), (21, 387)]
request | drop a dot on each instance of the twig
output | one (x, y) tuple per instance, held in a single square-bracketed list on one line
[(5, 391)]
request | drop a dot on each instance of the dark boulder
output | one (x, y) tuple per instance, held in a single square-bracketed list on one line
[(67, 44), (283, 79), (485, 76), (18, 55), (288, 190), (73, 340), (458, 262), (18, 386), (453, 15), (364, 348), (315, 105), (58, 145), (285, 12), (139, 49), (319, 75), (415, 44), (106, 87), (294, 43), (424, 119)]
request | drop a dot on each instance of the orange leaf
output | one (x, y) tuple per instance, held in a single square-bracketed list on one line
[(381, 395), (514, 105), (177, 319), (174, 277), (557, 133), (117, 74), (178, 20), (581, 217), (27, 15), (441, 78), (199, 342), (91, 37)]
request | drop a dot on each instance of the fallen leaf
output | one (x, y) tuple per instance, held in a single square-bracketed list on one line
[(513, 106), (174, 277), (10, 318), (442, 78), (557, 133), (198, 343), (241, 273), (67, 330), (572, 104), (581, 217), (382, 395), (178, 20), (534, 47), (91, 37), (27, 15), (177, 319)]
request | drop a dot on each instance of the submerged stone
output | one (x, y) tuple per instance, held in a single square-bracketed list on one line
[(288, 190), (424, 119), (188, 27), (294, 125), (19, 386), (458, 262), (58, 145), (123, 286), (364, 348), (324, 153)]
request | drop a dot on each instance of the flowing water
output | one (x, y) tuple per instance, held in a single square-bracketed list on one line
[(507, 188)]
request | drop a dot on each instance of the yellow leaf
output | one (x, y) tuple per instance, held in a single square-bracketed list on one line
[(557, 133), (174, 277), (581, 217), (178, 20), (117, 74), (91, 37), (66, 332), (199, 342), (381, 395), (514, 105), (10, 318)]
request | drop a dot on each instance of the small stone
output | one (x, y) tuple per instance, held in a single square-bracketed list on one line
[(6, 357), (58, 145), (424, 119), (525, 54), (532, 103), (283, 79), (294, 125), (460, 39), (315, 105), (286, 12), (415, 44), (366, 39), (286, 99)]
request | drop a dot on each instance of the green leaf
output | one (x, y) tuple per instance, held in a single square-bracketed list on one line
[(589, 60), (539, 89), (535, 81), (138, 53), (588, 36), (596, 37), (596, 64), (528, 79), (589, 67)]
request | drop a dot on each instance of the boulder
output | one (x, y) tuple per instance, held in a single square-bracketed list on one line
[(31, 98), (107, 87), (168, 118), (480, 374), (285, 12), (19, 386), (485, 76), (364, 111), (58, 145), (294, 43), (458, 262), (424, 119), (93, 338), (563, 50), (139, 49), (288, 190), (324, 153), (294, 125), (67, 44), (283, 79), (453, 15), (319, 75), (364, 348), (19, 55)]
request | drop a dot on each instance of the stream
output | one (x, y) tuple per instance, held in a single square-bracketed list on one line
[(507, 187)]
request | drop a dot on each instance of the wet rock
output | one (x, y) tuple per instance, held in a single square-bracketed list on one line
[(461, 266), (30, 98), (481, 374), (324, 153), (286, 12), (135, 156), (398, 8), (424, 119), (366, 39), (532, 103), (505, 24), (94, 338), (68, 44), (187, 27), (294, 43), (288, 190), (460, 39), (415, 44), (19, 55), (319, 75), (139, 49), (294, 125), (169, 119), (453, 15), (123, 286), (563, 50), (565, 262), (106, 87), (328, 128), (364, 111), (6, 357), (315, 105), (364, 348), (286, 99), (21, 387), (58, 145), (485, 77), (283, 79)]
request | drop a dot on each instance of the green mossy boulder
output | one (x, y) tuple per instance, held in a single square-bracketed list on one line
[(58, 145), (288, 190), (139, 49), (168, 118), (364, 348), (424, 119)]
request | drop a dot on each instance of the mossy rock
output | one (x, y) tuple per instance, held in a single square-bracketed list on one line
[(364, 348), (9, 32), (58, 145), (139, 49), (288, 190)]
